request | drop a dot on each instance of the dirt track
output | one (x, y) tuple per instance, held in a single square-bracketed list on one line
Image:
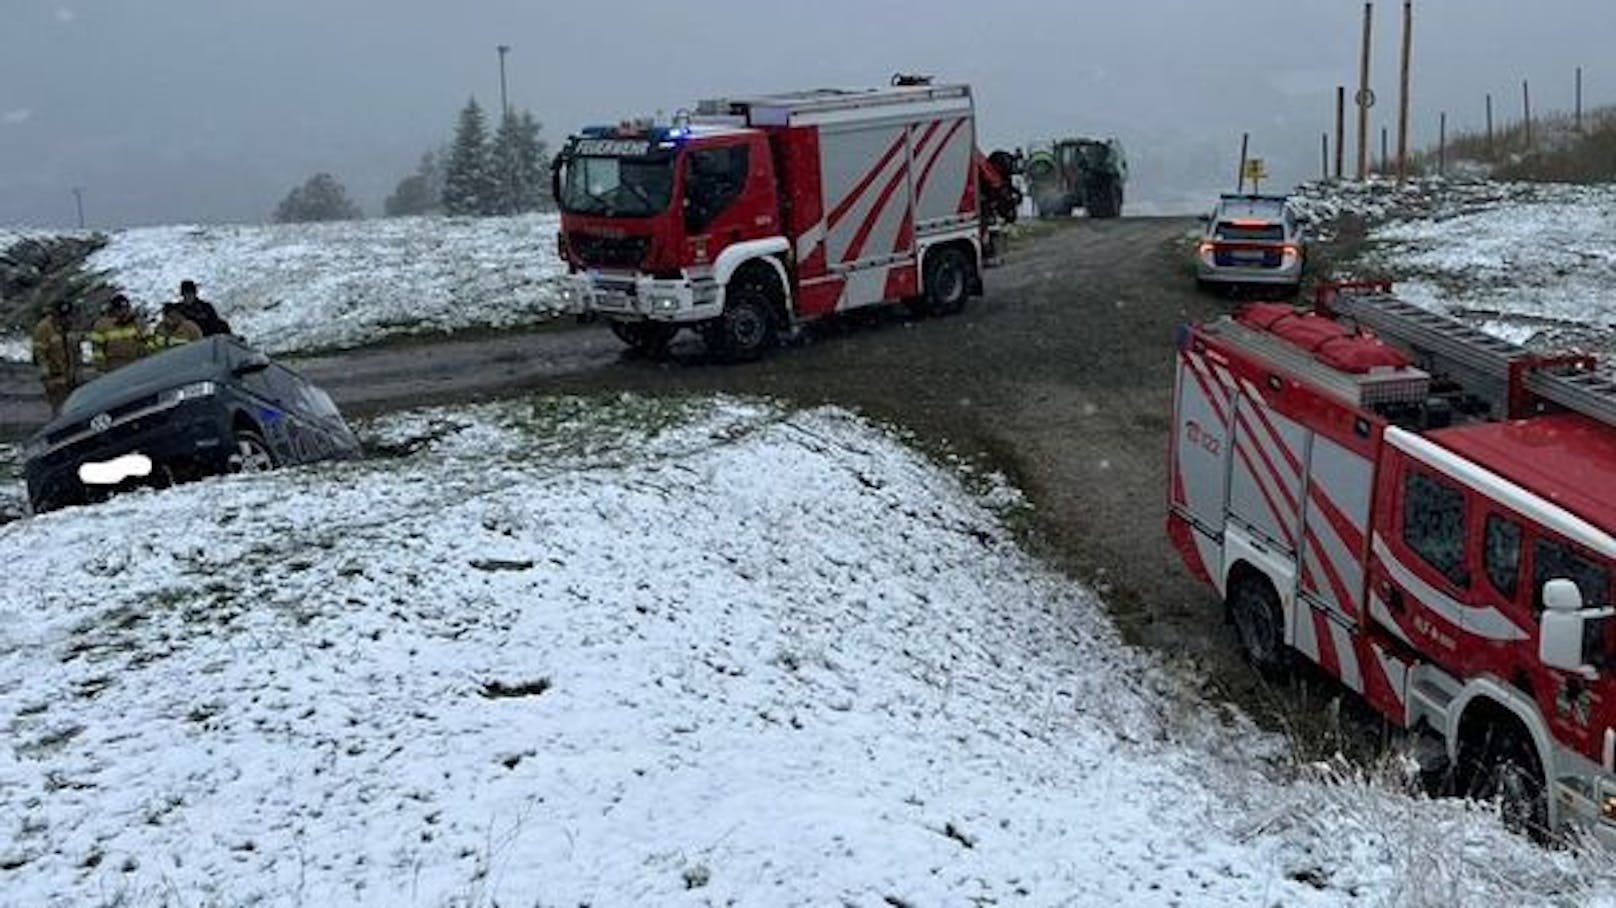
[(1060, 376)]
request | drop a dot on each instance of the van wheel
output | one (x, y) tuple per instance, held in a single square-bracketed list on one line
[(1254, 609), (746, 329), (948, 281), (252, 454)]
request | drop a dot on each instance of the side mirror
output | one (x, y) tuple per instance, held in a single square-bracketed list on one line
[(1563, 628), (252, 362)]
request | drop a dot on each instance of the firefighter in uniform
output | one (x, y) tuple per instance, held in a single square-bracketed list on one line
[(117, 338), (56, 353), (173, 330)]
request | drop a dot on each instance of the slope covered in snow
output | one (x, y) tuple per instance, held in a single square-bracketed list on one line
[(631, 653), (1517, 258), (302, 287)]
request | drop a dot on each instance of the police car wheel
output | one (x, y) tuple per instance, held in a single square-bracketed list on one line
[(252, 454)]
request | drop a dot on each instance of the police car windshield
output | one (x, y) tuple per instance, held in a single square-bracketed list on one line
[(617, 185)]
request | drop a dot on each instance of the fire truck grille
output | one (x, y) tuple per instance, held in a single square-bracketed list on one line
[(605, 252)]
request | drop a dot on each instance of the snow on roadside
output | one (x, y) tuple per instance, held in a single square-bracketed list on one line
[(636, 652), (1529, 262), (299, 287)]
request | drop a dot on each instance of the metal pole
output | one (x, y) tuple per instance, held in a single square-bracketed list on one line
[(1340, 127), (1324, 156), (1402, 103), (1363, 92), (1245, 144), (1579, 99), (509, 166), (504, 105), (1526, 106), (1489, 126), (1442, 145), (78, 201), (1385, 151)]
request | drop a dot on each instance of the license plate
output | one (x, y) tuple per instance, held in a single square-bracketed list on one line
[(116, 470), (1248, 258)]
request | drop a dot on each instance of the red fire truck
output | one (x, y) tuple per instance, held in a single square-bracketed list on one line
[(1428, 514), (754, 214)]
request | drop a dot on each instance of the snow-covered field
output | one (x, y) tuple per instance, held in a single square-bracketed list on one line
[(627, 652), (1517, 258), (300, 287)]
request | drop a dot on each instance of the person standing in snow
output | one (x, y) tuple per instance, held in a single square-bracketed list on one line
[(199, 311), (173, 330), (56, 353), (117, 338)]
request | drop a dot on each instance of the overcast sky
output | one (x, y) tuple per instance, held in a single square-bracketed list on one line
[(210, 110)]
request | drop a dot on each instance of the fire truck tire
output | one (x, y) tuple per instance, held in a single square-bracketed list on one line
[(1254, 611), (1501, 763), (647, 338), (948, 280), (746, 330)]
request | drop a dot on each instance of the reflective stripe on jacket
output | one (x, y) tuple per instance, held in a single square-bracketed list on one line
[(114, 344)]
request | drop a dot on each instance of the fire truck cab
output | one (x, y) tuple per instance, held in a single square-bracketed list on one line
[(1425, 513), (751, 215)]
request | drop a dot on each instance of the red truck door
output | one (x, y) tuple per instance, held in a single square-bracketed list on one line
[(728, 195)]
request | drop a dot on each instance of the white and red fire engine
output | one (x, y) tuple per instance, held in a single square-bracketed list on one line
[(1428, 514), (754, 214)]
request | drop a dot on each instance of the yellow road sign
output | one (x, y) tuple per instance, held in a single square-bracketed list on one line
[(1256, 169)]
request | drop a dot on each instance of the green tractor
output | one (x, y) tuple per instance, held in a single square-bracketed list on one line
[(1068, 174)]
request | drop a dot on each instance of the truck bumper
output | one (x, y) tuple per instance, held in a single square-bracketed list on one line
[(637, 298)]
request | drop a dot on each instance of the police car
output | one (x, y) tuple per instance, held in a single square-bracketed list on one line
[(1251, 240)]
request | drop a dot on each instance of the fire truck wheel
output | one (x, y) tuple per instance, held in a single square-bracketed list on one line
[(948, 280), (1503, 764), (648, 338), (1254, 609), (746, 329)]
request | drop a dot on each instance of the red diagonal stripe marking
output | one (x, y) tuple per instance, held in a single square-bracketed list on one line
[(851, 199)]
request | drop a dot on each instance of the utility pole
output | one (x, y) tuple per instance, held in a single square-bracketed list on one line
[(504, 105), (1365, 98), (1442, 145), (1579, 99), (78, 200), (1340, 127), (1402, 103), (505, 150), (1489, 126), (1526, 106)]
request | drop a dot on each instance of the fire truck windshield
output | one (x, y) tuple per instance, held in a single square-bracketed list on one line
[(617, 187)]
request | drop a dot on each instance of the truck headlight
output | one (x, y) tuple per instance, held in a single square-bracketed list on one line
[(663, 302), (184, 393)]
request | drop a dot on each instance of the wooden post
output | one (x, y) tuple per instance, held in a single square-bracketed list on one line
[(1245, 144), (1324, 156), (1340, 127), (1385, 151), (1402, 98), (1579, 99), (1526, 107), (1363, 91), (1489, 126), (1442, 145)]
